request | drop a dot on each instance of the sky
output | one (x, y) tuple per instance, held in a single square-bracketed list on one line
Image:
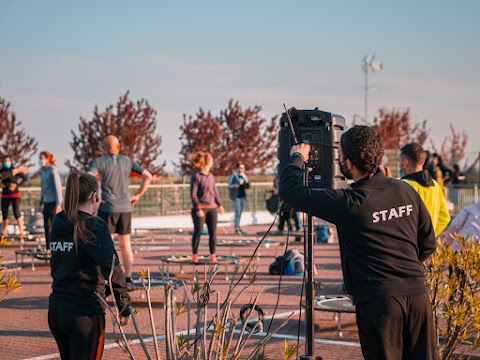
[(58, 59)]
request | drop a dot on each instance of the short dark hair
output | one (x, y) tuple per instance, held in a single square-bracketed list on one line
[(364, 147), (414, 152)]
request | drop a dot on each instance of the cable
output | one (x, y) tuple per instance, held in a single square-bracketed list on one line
[(257, 326), (241, 277), (281, 272)]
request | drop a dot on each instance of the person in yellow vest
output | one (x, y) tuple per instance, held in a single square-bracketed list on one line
[(411, 161)]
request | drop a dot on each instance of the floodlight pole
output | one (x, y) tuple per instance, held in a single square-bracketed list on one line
[(365, 70), (369, 64)]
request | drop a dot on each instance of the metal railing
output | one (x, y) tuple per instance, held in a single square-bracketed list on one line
[(174, 199), (170, 199), (461, 196)]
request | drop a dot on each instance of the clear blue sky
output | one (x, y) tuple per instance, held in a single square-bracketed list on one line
[(59, 58)]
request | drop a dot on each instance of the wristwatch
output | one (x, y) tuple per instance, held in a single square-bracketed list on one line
[(296, 154)]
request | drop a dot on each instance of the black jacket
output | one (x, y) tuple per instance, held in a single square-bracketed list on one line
[(384, 230), (8, 178), (78, 274)]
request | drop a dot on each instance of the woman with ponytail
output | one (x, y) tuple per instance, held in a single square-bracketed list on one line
[(81, 262), (206, 203)]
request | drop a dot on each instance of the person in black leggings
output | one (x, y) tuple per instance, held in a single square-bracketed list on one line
[(206, 204), (51, 194), (82, 255), (11, 180)]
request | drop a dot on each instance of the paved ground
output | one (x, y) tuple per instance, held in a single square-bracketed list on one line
[(24, 332)]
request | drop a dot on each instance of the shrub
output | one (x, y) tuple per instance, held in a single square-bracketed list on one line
[(454, 281)]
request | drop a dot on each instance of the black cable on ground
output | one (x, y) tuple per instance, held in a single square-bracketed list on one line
[(243, 273)]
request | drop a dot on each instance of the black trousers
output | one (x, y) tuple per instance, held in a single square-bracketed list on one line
[(398, 327), (15, 207), (77, 337), (285, 217), (211, 218), (48, 215)]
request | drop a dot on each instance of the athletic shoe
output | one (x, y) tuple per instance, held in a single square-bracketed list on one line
[(213, 259)]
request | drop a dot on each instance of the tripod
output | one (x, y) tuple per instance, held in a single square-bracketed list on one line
[(310, 285)]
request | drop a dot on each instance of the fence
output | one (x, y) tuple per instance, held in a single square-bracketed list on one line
[(459, 197), (174, 199), (171, 199)]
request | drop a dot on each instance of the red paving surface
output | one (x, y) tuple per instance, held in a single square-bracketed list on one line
[(24, 332)]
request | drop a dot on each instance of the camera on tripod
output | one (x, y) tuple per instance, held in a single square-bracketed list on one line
[(322, 130)]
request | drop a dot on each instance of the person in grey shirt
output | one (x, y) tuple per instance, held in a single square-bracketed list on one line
[(116, 209), (51, 195)]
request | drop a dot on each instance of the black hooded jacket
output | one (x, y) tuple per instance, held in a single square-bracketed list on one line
[(422, 177), (79, 273), (384, 231)]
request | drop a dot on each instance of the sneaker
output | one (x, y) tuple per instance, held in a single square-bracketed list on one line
[(239, 232), (195, 258), (213, 259)]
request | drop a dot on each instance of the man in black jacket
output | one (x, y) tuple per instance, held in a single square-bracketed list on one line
[(385, 233)]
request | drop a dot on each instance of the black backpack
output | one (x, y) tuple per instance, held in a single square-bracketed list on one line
[(275, 267), (272, 204)]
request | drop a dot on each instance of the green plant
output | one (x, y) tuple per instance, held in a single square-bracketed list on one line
[(454, 281)]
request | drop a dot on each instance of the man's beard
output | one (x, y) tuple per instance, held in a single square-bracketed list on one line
[(346, 172)]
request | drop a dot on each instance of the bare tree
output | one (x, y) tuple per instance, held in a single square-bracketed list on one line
[(14, 141), (453, 147), (235, 135), (133, 123), (397, 129)]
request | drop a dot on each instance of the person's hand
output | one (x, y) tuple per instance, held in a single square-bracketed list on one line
[(241, 182), (58, 209), (12, 187), (23, 169), (275, 191), (200, 214), (134, 199), (221, 210), (3, 186), (124, 320), (303, 149)]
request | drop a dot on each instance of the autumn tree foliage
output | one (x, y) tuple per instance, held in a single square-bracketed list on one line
[(453, 147), (14, 141), (133, 123), (235, 135), (397, 129)]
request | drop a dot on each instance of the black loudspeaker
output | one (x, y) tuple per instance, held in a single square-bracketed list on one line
[(322, 130)]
